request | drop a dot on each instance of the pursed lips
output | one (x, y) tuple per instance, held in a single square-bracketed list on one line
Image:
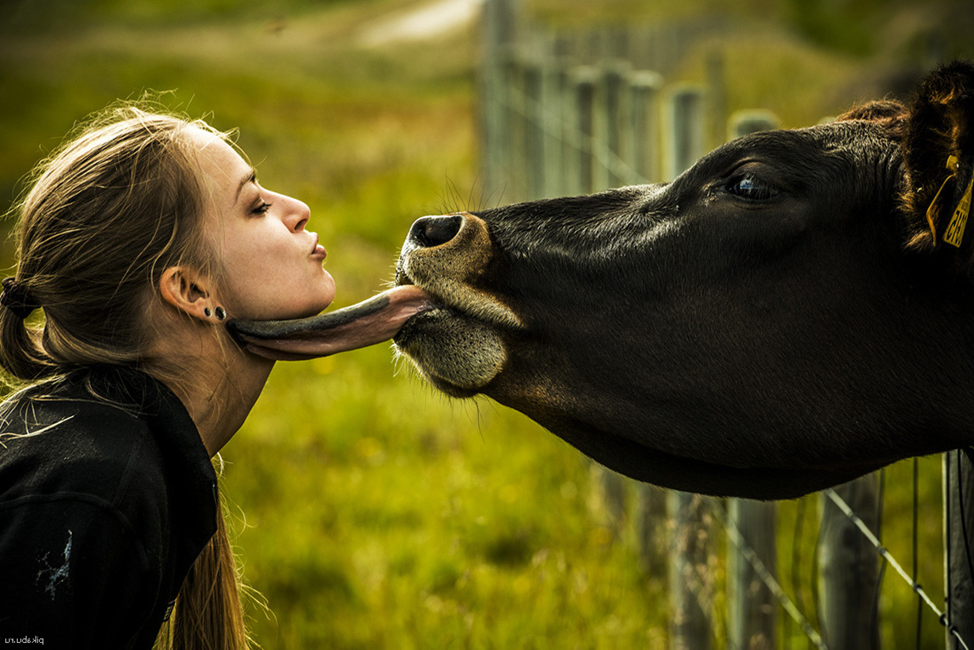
[(317, 250)]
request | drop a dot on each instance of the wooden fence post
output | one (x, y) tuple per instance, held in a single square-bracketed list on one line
[(500, 35), (518, 186), (753, 615), (753, 610), (609, 107), (958, 541), (500, 24), (690, 537), (750, 121), (554, 89), (690, 590), (651, 532), (613, 122), (609, 499), (643, 154), (534, 153), (717, 97), (849, 569), (644, 159), (583, 84), (685, 136)]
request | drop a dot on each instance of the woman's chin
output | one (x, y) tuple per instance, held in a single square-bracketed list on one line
[(306, 311), (284, 312), (289, 303), (327, 292), (313, 303)]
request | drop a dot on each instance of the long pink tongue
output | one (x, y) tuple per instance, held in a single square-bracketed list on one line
[(369, 322)]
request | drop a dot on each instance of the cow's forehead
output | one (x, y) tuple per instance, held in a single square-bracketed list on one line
[(810, 146), (855, 151)]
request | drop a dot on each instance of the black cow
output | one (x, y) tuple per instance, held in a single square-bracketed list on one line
[(795, 310)]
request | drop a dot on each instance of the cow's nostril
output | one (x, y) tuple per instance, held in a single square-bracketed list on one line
[(433, 231)]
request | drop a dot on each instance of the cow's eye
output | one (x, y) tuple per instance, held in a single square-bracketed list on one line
[(750, 188)]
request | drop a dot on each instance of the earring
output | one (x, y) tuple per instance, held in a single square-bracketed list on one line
[(207, 312), (220, 313)]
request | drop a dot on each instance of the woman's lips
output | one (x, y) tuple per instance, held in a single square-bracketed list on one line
[(318, 251)]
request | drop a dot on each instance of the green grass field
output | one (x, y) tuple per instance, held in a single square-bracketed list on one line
[(370, 511)]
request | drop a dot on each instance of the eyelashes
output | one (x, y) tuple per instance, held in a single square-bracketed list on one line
[(261, 208)]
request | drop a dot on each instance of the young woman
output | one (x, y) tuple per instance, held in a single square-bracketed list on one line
[(138, 240)]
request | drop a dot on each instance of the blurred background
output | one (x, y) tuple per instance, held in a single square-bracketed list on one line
[(371, 512)]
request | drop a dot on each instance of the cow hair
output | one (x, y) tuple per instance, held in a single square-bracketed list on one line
[(938, 127), (886, 112)]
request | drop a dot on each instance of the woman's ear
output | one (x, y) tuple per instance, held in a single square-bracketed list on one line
[(187, 291)]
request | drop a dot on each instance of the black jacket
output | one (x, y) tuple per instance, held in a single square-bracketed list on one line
[(103, 509)]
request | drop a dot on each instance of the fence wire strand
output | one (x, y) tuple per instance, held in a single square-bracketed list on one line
[(569, 134), (737, 539), (917, 588)]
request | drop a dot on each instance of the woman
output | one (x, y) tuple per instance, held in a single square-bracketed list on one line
[(138, 239)]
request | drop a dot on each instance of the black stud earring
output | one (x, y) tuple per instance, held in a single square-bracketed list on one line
[(220, 313), (207, 312)]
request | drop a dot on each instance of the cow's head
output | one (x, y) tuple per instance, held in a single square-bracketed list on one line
[(793, 311)]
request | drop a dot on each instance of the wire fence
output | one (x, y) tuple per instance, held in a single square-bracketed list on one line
[(887, 557), (552, 128)]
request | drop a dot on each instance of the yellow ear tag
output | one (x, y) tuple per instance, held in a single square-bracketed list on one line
[(955, 230), (935, 204)]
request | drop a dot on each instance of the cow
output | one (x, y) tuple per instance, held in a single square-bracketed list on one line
[(793, 311)]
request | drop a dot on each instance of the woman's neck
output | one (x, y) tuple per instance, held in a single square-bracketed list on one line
[(218, 382), (222, 400)]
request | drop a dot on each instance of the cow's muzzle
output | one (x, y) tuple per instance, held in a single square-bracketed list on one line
[(458, 344), (448, 256)]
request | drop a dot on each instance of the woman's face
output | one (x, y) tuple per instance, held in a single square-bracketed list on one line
[(271, 263)]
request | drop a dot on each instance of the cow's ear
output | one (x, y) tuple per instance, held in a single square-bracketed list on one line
[(938, 154)]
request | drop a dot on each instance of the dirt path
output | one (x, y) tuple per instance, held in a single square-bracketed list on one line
[(425, 22)]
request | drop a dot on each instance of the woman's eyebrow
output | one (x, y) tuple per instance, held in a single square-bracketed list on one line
[(251, 178)]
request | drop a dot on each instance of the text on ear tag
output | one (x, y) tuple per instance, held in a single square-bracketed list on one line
[(934, 206), (955, 230)]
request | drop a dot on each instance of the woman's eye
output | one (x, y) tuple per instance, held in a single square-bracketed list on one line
[(262, 207), (750, 188)]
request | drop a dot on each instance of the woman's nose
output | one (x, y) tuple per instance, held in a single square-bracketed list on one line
[(297, 214)]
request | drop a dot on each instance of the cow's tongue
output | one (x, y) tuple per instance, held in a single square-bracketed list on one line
[(369, 322)]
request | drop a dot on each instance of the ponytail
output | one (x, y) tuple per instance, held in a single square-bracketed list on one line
[(21, 354)]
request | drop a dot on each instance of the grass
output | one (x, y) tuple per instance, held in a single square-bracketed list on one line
[(370, 511), (417, 522)]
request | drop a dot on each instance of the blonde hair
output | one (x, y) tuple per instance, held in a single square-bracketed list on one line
[(105, 215)]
